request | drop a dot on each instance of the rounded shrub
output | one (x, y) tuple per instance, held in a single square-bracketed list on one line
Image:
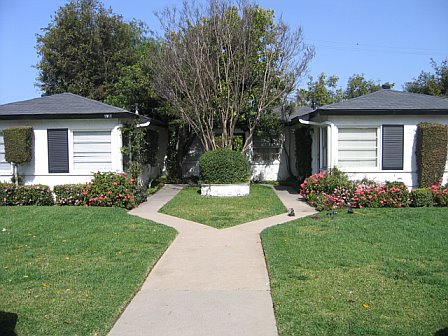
[(224, 166), (421, 197)]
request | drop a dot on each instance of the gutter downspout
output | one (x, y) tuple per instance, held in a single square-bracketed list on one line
[(332, 128)]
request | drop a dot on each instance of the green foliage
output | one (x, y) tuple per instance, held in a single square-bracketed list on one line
[(303, 152), (141, 145), (440, 194), (321, 92), (421, 197), (18, 144), (69, 194), (135, 84), (357, 86), (84, 49), (223, 166), (325, 91), (10, 194), (435, 84), (432, 140), (106, 190)]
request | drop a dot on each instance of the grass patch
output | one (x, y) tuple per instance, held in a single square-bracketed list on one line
[(71, 270), (376, 272), (222, 212)]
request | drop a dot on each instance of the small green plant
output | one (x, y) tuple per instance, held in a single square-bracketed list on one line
[(69, 194), (421, 197), (18, 147), (224, 165)]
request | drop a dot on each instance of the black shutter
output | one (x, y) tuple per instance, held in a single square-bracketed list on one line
[(393, 147), (57, 150)]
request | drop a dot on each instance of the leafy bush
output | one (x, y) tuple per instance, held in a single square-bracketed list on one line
[(303, 151), (10, 194), (18, 144), (421, 197), (377, 195), (106, 189), (224, 165), (69, 194), (334, 190), (431, 153), (440, 195)]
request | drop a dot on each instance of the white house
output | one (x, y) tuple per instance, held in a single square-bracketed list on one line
[(373, 136), (73, 137)]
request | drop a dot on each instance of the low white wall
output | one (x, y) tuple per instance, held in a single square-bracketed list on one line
[(225, 190)]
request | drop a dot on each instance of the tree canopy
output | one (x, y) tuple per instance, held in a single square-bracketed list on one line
[(324, 91), (227, 64), (84, 50), (435, 84)]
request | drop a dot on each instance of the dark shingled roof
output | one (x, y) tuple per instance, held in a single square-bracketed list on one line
[(63, 105), (387, 102)]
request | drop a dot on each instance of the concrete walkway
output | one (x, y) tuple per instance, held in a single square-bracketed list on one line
[(209, 281)]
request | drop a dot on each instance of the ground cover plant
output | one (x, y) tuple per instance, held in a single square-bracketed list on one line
[(374, 272), (222, 212), (71, 270)]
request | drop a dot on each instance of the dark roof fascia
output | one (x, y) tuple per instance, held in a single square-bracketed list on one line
[(47, 116), (370, 112)]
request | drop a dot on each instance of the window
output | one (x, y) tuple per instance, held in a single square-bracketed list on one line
[(266, 149), (92, 150), (357, 147), (57, 140), (4, 165), (393, 147)]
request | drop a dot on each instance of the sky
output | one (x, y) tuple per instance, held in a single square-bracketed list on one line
[(386, 40)]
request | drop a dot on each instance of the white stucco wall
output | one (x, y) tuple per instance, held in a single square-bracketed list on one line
[(36, 172), (408, 174)]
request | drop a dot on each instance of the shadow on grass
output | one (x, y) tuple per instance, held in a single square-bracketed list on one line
[(8, 323)]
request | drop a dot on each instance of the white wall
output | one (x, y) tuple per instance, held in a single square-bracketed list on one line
[(409, 173), (36, 172)]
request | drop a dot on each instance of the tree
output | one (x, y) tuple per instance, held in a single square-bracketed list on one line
[(84, 49), (227, 64), (435, 84), (322, 91), (357, 86)]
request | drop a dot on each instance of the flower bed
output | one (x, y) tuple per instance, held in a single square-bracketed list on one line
[(333, 190)]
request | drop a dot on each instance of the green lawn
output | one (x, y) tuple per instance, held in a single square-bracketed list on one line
[(222, 212), (72, 270), (376, 272)]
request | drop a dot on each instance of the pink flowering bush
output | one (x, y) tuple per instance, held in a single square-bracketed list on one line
[(440, 194), (378, 195), (106, 189), (333, 190)]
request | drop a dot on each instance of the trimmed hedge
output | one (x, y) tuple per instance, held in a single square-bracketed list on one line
[(422, 197), (18, 144), (224, 166), (10, 194), (432, 140)]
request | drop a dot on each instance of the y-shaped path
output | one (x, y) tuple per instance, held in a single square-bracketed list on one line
[(209, 282)]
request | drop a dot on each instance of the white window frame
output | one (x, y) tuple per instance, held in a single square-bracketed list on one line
[(379, 149), (72, 150), (275, 155)]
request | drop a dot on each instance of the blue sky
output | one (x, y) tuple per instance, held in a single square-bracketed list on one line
[(387, 40)]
